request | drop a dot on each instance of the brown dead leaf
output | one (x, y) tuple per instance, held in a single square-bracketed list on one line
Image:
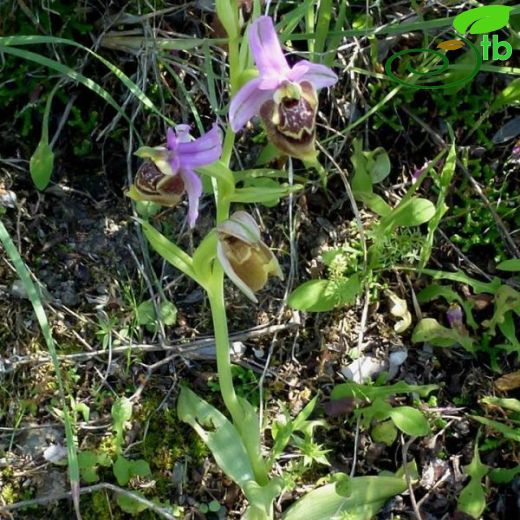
[(508, 382), (451, 45)]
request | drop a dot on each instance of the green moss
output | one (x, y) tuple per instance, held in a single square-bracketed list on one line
[(8, 493), (168, 439), (100, 506)]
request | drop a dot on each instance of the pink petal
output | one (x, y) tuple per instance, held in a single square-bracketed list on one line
[(319, 76), (270, 83), (247, 102), (183, 133), (266, 48), (202, 151), (171, 139), (193, 187)]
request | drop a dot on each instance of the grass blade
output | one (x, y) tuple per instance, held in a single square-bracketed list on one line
[(7, 41), (34, 297), (322, 27)]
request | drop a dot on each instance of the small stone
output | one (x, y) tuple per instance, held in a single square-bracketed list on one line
[(68, 295), (396, 359), (363, 368), (18, 289), (7, 198), (55, 453)]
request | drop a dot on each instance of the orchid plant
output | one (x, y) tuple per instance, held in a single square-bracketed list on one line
[(285, 98)]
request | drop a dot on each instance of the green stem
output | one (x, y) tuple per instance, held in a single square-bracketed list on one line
[(220, 328), (229, 396), (234, 69), (227, 149), (215, 291)]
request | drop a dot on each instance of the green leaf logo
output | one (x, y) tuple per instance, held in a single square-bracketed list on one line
[(482, 20)]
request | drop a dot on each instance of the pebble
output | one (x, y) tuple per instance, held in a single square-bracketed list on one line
[(363, 368), (18, 290)]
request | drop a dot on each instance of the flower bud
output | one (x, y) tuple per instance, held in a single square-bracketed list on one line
[(454, 316), (290, 119), (246, 260)]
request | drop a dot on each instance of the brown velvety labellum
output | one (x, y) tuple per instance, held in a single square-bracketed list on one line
[(155, 186), (290, 124)]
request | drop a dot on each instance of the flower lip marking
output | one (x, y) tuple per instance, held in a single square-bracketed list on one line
[(290, 124), (275, 74), (170, 172)]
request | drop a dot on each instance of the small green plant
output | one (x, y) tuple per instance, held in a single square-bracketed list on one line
[(394, 228), (376, 411), (463, 328), (146, 314), (300, 433), (472, 499), (123, 469)]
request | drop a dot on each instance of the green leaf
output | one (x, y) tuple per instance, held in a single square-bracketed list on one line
[(507, 431), (361, 499), (39, 311), (169, 251), (410, 421), (482, 20), (83, 409), (374, 202), (125, 469), (379, 166), (511, 265), (506, 299), (222, 174), (441, 207), (472, 499), (139, 468), (129, 505), (509, 96), (264, 183), (460, 276), (122, 470), (384, 432), (226, 445), (204, 255), (168, 313), (314, 296), (361, 181), (263, 194), (214, 506), (218, 434), (434, 291), (504, 476), (431, 331), (324, 295), (121, 413), (413, 212), (41, 164), (348, 289), (87, 461), (371, 392), (145, 313), (227, 12), (322, 28), (251, 435), (504, 402)]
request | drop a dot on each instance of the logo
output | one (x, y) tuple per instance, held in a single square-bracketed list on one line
[(429, 68)]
